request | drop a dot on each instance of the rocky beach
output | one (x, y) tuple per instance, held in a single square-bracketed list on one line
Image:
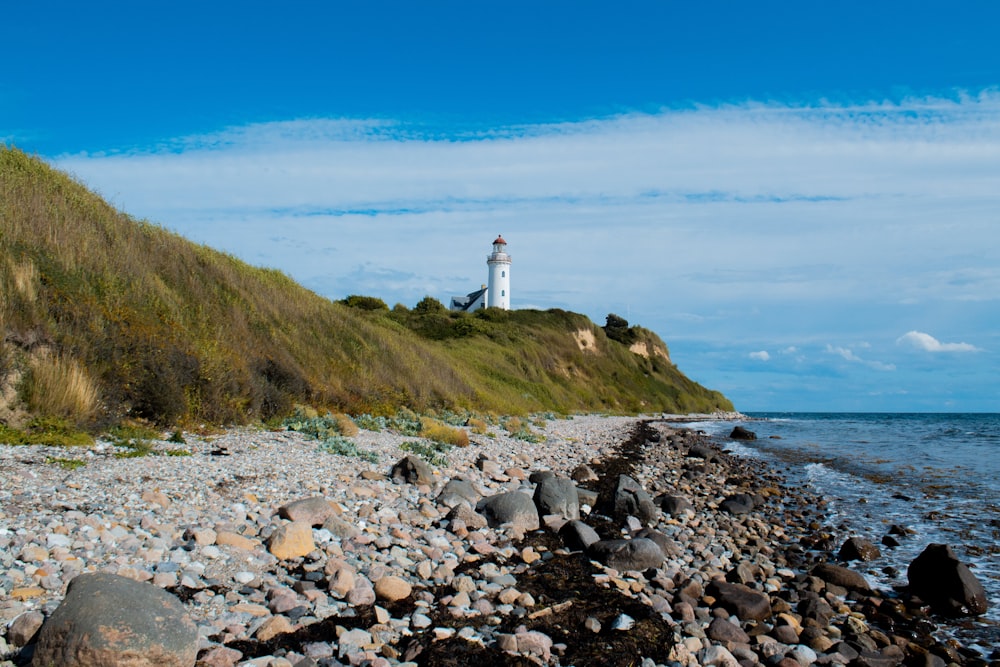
[(613, 541)]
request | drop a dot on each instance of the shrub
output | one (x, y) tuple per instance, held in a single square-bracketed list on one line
[(477, 426), (439, 432), (518, 429), (364, 302), (320, 428), (345, 426)]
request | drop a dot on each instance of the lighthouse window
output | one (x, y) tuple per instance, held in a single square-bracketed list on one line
[(503, 292), (503, 274)]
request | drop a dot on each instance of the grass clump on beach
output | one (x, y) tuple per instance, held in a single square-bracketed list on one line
[(433, 452), (342, 446), (517, 428), (52, 431)]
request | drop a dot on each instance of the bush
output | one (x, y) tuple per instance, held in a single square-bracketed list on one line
[(364, 302), (477, 426), (439, 432), (518, 429)]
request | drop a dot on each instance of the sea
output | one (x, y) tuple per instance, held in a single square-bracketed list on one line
[(936, 474)]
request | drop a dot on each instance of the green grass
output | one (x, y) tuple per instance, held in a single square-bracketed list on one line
[(150, 326), (65, 464)]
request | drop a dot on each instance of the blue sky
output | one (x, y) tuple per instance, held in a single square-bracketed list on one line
[(802, 199)]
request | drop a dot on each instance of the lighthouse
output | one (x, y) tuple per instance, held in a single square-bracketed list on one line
[(498, 287)]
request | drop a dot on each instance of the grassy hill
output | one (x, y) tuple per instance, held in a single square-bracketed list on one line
[(104, 317)]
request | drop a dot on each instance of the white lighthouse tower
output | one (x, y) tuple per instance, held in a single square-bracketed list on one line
[(498, 287)]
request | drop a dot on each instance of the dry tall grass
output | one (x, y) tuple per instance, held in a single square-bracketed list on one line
[(60, 387)]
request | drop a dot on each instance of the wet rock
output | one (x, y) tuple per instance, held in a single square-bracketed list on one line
[(637, 554), (511, 507), (941, 580), (857, 548), (742, 433), (108, 620), (557, 495), (412, 470), (840, 576), (740, 600)]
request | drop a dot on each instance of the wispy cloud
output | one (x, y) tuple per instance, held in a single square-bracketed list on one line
[(849, 355), (928, 343), (762, 355)]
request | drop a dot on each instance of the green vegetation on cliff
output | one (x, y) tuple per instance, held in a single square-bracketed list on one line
[(104, 317)]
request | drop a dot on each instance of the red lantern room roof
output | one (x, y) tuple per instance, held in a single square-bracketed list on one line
[(499, 240)]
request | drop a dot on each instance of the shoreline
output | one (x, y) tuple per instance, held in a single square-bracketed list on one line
[(152, 519)]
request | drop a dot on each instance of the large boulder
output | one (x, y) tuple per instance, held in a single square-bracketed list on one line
[(557, 495), (630, 499), (110, 621), (638, 554), (512, 507), (412, 470), (742, 433), (740, 600), (941, 580)]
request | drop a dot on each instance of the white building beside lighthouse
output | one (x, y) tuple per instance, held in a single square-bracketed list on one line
[(496, 293)]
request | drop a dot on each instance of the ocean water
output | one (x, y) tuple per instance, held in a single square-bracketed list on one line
[(935, 474)]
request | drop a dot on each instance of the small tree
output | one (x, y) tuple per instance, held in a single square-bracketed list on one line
[(364, 302), (428, 305), (616, 328)]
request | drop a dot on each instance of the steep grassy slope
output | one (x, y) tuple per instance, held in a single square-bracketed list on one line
[(104, 317)]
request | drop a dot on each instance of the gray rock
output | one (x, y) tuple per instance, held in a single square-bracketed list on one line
[(412, 470), (721, 630), (840, 576), (667, 545), (630, 499), (583, 473), (578, 536), (557, 495), (462, 512), (107, 620), (23, 628), (675, 505), (637, 554), (946, 583), (740, 600), (315, 510), (457, 491), (511, 507), (739, 503)]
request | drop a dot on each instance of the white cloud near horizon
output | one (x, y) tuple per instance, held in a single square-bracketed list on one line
[(762, 355), (928, 343)]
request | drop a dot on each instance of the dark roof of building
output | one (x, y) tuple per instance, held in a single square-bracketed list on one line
[(460, 303)]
